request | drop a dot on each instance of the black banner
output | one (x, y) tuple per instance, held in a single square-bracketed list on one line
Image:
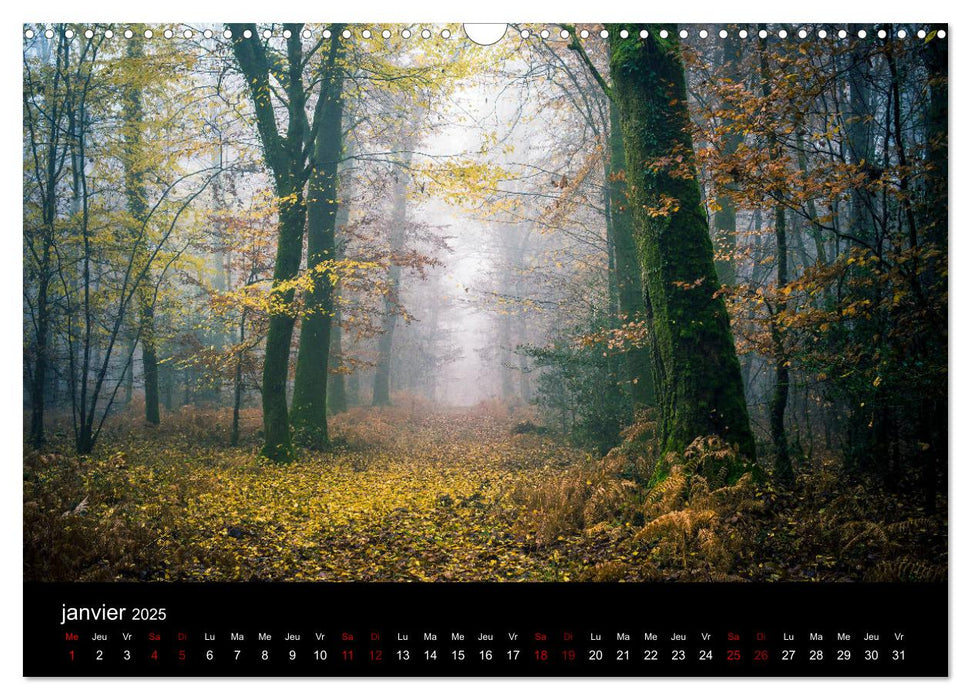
[(482, 629)]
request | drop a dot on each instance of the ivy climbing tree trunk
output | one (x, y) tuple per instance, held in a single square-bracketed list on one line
[(285, 156), (699, 383), (309, 414)]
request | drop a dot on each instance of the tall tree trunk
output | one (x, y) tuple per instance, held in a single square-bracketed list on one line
[(353, 386), (137, 201), (42, 337), (630, 289), (337, 400), (780, 391), (85, 412), (505, 355), (381, 396), (699, 384), (525, 392), (725, 223), (337, 379), (276, 362), (814, 227), (933, 425), (238, 382), (130, 378), (150, 362), (935, 58), (186, 386), (285, 158), (615, 409), (337, 391), (858, 136), (309, 414), (46, 172), (508, 263)]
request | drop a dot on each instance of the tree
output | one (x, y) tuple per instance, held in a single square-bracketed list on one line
[(138, 209), (780, 392), (286, 157), (54, 94), (310, 382), (381, 395), (337, 399), (630, 287), (724, 220), (698, 380), (103, 266)]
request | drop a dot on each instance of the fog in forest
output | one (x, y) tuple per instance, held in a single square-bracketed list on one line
[(605, 294)]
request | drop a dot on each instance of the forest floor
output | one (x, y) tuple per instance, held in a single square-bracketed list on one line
[(446, 495), (403, 497)]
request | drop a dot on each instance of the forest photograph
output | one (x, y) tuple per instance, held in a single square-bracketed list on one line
[(595, 302)]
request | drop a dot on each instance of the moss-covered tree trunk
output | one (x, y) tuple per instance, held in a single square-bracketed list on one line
[(630, 289), (699, 383), (277, 444), (309, 410)]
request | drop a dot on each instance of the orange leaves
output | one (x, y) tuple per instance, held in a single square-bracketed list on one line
[(666, 206), (686, 286), (630, 334), (678, 165)]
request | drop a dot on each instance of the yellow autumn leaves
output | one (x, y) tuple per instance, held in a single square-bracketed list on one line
[(425, 499)]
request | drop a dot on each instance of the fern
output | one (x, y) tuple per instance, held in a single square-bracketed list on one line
[(906, 570), (688, 521)]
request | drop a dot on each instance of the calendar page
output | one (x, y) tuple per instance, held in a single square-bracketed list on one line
[(485, 350)]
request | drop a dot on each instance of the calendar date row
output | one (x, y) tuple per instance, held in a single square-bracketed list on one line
[(486, 655)]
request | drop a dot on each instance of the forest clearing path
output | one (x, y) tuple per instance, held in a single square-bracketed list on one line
[(408, 496)]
